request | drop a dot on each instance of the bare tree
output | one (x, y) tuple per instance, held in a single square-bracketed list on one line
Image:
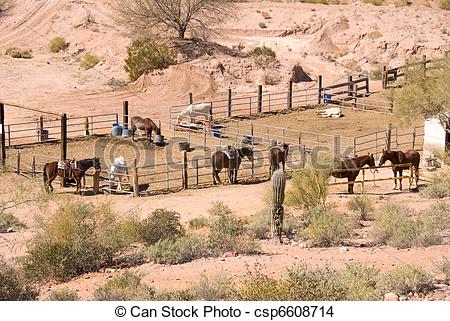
[(173, 15)]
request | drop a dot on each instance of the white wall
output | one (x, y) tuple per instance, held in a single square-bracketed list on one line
[(434, 139)]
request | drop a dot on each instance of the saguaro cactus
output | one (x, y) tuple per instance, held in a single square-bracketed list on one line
[(277, 210)]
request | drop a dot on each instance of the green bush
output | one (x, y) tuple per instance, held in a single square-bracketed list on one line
[(326, 226), (57, 44), (393, 226), (13, 284), (444, 4), (181, 250), (161, 224), (361, 205), (308, 188), (218, 288), (78, 238), (145, 55), (259, 287), (89, 61), (126, 287), (361, 282), (439, 186), (262, 56), (405, 279), (227, 232), (198, 223), (19, 53), (64, 294), (9, 220)]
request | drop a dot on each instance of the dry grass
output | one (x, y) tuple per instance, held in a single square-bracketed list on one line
[(375, 34)]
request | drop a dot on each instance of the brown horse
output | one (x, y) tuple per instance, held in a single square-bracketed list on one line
[(277, 154), (397, 158), (145, 124), (353, 165), (230, 159), (73, 169)]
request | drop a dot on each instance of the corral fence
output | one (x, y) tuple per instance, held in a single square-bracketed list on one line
[(390, 76)]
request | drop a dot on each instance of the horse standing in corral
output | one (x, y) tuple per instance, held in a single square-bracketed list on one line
[(277, 154), (68, 169), (411, 156), (196, 110), (118, 172), (145, 124), (353, 165), (231, 160)]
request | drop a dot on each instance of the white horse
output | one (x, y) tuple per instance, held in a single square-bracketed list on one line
[(118, 172), (334, 112), (196, 110)]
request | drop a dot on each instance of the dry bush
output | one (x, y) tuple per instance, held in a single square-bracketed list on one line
[(64, 294), (263, 56), (405, 279), (394, 226), (438, 215), (116, 83), (13, 284), (161, 224), (326, 226), (374, 34), (78, 238), (444, 4), (19, 53), (145, 55), (89, 61), (443, 266), (126, 287), (218, 288), (8, 221), (362, 205), (270, 79), (57, 44), (259, 226), (183, 249), (374, 2), (227, 232), (376, 74), (198, 223), (439, 186), (308, 188)]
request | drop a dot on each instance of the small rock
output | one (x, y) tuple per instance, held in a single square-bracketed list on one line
[(221, 259), (343, 249), (294, 243), (303, 245), (402, 298), (390, 297), (229, 254), (440, 278)]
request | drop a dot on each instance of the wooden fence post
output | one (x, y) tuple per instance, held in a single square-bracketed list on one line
[(2, 135), (229, 102), (190, 99), (41, 128), (196, 171), (185, 169), (406, 69), (260, 99), (125, 115), (86, 126), (424, 65), (384, 78), (33, 167), (388, 137), (18, 163), (290, 95), (354, 147), (320, 89), (135, 179), (96, 180), (367, 85), (350, 87), (63, 152), (414, 138)]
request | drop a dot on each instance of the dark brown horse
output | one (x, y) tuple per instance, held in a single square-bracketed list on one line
[(145, 124), (72, 169), (353, 165), (277, 154), (397, 158), (231, 160)]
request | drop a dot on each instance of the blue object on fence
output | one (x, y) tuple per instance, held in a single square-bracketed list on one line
[(216, 133), (126, 132), (327, 98), (116, 130)]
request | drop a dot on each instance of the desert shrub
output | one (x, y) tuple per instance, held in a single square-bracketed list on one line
[(439, 186), (64, 294), (376, 74), (19, 53), (145, 55), (227, 232), (89, 61), (126, 287), (8, 220), (13, 284), (116, 83), (308, 188), (374, 34), (262, 56), (438, 215), (78, 238), (198, 223), (161, 224), (259, 287), (266, 15), (444, 4), (57, 44), (393, 226), (361, 205), (270, 79), (259, 226), (177, 295), (218, 288), (374, 2), (443, 266), (181, 250), (361, 282), (405, 279), (326, 226)]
